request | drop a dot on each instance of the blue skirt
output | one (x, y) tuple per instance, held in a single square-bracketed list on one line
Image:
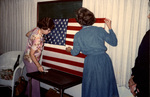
[(98, 77)]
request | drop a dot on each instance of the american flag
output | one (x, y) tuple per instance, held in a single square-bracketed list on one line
[(54, 53)]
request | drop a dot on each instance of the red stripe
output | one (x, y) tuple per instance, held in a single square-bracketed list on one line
[(70, 36), (73, 63), (100, 20), (63, 52), (72, 20), (63, 69), (69, 43), (77, 28)]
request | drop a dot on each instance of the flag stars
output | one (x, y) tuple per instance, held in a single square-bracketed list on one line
[(58, 35)]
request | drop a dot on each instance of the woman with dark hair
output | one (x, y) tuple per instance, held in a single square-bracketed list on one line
[(98, 74), (33, 52)]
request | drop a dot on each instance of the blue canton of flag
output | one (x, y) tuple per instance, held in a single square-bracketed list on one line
[(57, 35)]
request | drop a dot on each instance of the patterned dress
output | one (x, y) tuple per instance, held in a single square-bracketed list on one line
[(35, 41), (98, 74)]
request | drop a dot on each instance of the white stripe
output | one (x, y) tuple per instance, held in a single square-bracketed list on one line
[(95, 24), (99, 24), (80, 69), (72, 32), (63, 56), (69, 39), (69, 46), (55, 46), (74, 24)]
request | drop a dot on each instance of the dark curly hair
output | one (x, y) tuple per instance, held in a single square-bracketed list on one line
[(85, 17), (46, 23)]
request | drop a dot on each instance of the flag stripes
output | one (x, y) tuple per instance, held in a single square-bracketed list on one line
[(74, 72), (63, 61), (56, 57), (62, 51)]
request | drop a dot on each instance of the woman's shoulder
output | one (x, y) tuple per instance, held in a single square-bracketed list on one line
[(92, 27), (96, 27), (77, 33), (36, 30)]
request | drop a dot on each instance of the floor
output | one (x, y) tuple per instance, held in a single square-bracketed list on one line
[(6, 92)]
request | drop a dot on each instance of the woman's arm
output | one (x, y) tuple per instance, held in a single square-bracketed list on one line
[(28, 34), (110, 37), (40, 68)]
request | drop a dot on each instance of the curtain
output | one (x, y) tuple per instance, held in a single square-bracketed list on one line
[(130, 23), (17, 18)]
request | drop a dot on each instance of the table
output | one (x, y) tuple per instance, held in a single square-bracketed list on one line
[(58, 79)]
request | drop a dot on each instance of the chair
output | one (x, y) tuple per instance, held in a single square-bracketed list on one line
[(7, 61)]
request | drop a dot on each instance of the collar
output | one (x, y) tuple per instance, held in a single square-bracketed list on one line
[(85, 26), (39, 32)]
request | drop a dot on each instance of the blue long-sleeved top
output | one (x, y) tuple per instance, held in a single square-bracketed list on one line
[(90, 40)]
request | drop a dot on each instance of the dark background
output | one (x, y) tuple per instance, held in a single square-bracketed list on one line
[(58, 9)]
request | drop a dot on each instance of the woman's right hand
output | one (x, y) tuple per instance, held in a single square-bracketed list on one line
[(108, 23), (68, 49), (40, 68)]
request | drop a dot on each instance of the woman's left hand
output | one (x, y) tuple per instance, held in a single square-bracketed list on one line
[(108, 23)]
